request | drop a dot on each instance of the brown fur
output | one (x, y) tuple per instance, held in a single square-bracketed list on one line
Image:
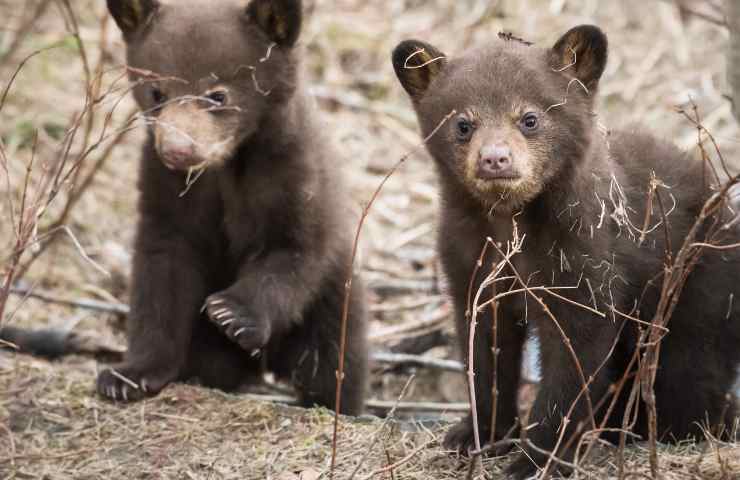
[(565, 182), (259, 242)]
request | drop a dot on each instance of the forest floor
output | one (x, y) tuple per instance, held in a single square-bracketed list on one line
[(53, 427)]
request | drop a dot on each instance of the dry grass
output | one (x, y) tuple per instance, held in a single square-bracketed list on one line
[(60, 432), (50, 423)]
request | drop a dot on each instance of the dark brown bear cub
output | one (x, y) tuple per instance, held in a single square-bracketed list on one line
[(524, 148), (245, 268)]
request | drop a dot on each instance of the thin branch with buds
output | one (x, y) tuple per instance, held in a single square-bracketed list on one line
[(348, 285)]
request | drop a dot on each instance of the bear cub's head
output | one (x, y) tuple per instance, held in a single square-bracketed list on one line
[(205, 73), (522, 115)]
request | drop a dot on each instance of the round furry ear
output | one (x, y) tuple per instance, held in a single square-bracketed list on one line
[(279, 19), (416, 64), (131, 15), (581, 53)]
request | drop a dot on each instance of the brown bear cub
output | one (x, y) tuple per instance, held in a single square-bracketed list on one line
[(244, 269), (524, 150)]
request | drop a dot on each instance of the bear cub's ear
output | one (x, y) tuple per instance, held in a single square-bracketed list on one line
[(279, 19), (581, 53), (416, 64), (130, 15)]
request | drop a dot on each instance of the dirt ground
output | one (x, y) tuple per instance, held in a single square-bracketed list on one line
[(51, 424)]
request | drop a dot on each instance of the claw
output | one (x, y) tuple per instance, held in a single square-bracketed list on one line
[(220, 311), (227, 322), (144, 386), (124, 379), (124, 393), (255, 352), (225, 313), (215, 301), (239, 332)]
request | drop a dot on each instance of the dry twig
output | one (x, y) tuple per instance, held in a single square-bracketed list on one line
[(348, 286)]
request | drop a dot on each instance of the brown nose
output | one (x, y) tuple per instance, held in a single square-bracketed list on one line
[(495, 161)]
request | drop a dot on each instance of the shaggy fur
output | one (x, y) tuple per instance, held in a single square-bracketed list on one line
[(244, 270), (578, 196)]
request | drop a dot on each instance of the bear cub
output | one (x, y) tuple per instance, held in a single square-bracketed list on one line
[(244, 269), (523, 157)]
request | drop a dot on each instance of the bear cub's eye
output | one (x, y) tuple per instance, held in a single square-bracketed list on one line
[(218, 98), (464, 129), (530, 122), (158, 96)]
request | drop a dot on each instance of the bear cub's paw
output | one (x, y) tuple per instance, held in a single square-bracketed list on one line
[(529, 465), (460, 438), (522, 468), (243, 326), (129, 383)]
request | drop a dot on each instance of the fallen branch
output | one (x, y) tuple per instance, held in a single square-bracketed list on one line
[(439, 317), (379, 406), (398, 359), (85, 304)]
